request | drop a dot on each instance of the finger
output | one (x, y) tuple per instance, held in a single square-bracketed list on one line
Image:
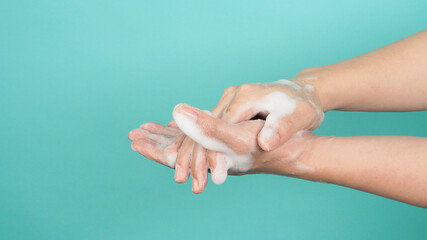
[(279, 129), (199, 169), (218, 166), (151, 150), (160, 129), (205, 129), (172, 124), (182, 166), (171, 151), (239, 111), (142, 133), (242, 106), (224, 101), (217, 110)]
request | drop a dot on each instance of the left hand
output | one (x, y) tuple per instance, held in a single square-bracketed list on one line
[(232, 148)]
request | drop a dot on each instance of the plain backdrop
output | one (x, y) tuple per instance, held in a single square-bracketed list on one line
[(77, 76)]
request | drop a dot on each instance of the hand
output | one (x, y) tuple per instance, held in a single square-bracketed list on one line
[(233, 148), (157, 142), (192, 157), (272, 100), (288, 107)]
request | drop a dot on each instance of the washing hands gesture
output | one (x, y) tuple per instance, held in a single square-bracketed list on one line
[(229, 148), (287, 107), (264, 128)]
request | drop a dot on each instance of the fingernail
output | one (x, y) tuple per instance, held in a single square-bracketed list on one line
[(269, 139), (190, 113), (130, 135), (133, 147), (187, 110), (196, 185), (178, 172)]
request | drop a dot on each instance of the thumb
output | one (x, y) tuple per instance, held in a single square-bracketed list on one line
[(277, 131)]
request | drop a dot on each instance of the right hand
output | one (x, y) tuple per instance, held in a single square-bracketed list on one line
[(288, 106)]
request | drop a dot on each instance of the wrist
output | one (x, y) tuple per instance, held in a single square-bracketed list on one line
[(310, 164), (300, 157), (320, 79), (315, 158)]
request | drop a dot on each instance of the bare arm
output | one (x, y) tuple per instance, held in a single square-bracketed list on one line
[(391, 166), (391, 78)]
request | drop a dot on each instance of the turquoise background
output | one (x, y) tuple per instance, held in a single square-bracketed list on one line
[(76, 76)]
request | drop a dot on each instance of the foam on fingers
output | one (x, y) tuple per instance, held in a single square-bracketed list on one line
[(160, 148), (144, 134), (187, 122), (278, 102), (160, 129), (183, 161), (150, 150), (219, 173), (199, 169)]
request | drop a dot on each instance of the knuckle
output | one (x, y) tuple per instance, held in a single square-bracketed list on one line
[(307, 71), (229, 90), (245, 87), (209, 126), (229, 109), (285, 126), (211, 129)]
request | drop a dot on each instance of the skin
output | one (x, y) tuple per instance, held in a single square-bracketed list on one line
[(308, 115), (192, 150), (398, 173), (392, 78)]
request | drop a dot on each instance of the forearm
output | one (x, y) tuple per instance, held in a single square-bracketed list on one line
[(389, 166), (392, 78)]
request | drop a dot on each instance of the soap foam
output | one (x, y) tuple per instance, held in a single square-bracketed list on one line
[(307, 91), (226, 160), (170, 158), (309, 87), (277, 104)]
